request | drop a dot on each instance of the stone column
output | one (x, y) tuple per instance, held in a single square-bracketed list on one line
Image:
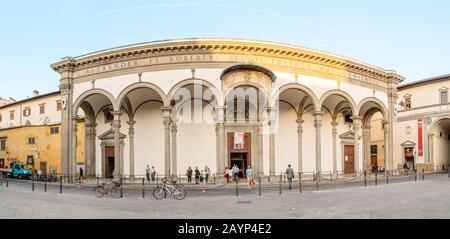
[(368, 141), (117, 153), (334, 124), (431, 147), (220, 140), (167, 122), (66, 88), (388, 165), (131, 124), (259, 167), (73, 162), (93, 150), (87, 149), (300, 144), (174, 150), (271, 123), (318, 125), (356, 131)]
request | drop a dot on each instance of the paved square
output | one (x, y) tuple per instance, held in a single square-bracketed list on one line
[(422, 199)]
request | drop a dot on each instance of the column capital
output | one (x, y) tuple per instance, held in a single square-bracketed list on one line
[(131, 123), (116, 113), (318, 113), (174, 129), (334, 124), (300, 121)]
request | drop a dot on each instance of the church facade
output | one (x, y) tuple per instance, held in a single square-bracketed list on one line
[(223, 102)]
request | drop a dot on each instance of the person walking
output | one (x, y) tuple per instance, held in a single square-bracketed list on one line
[(197, 175), (290, 175), (227, 174), (81, 174), (249, 174), (236, 173), (189, 174), (153, 175), (147, 173)]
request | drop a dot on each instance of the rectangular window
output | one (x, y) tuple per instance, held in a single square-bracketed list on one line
[(408, 103), (2, 144), (31, 140), (26, 112), (42, 109), (54, 130), (11, 115), (58, 105), (444, 97), (30, 160), (374, 149)]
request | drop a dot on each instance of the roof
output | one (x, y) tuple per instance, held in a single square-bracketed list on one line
[(31, 99), (427, 81)]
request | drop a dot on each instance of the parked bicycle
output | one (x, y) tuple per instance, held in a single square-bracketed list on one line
[(176, 191), (113, 189)]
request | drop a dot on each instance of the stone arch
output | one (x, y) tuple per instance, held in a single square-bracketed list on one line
[(89, 93), (194, 81), (436, 123), (381, 107), (296, 86), (139, 85), (341, 93)]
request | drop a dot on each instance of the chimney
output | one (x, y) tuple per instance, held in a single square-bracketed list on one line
[(35, 93)]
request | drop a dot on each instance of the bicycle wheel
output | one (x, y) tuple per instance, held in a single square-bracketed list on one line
[(179, 193), (99, 191), (115, 192), (159, 193)]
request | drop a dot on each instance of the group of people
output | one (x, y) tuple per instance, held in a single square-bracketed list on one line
[(234, 172), (200, 176), (150, 173)]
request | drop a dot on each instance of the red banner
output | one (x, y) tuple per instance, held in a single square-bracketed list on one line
[(420, 142)]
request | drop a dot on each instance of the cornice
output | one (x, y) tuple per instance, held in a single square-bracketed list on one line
[(225, 46)]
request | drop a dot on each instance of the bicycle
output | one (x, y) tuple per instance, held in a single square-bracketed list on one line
[(105, 189), (176, 191)]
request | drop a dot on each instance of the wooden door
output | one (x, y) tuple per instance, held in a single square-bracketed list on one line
[(349, 159), (2, 163), (109, 161), (43, 168), (374, 161), (247, 148)]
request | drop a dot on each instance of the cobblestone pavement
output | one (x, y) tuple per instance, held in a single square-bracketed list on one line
[(408, 199)]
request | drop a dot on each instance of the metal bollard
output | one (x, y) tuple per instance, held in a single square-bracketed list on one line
[(98, 180), (121, 188), (337, 176), (259, 187), (32, 184), (415, 175), (448, 169), (214, 179), (387, 177), (331, 176), (423, 174), (143, 188), (7, 183), (237, 189), (317, 184), (365, 179), (60, 184), (376, 178), (45, 186), (281, 178), (300, 182)]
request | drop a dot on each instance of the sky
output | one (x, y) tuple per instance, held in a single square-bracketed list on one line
[(411, 37)]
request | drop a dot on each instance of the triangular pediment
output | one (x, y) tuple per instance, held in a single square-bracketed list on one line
[(350, 135), (109, 135), (408, 143)]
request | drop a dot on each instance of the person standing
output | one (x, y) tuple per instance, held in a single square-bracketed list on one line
[(189, 174), (153, 173), (207, 174), (290, 175), (197, 175), (249, 174), (147, 173), (227, 174)]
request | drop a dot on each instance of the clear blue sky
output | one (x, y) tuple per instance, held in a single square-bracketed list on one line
[(409, 36)]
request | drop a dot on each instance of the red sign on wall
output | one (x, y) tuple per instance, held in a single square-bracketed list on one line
[(420, 142)]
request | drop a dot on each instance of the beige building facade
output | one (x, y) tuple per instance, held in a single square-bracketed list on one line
[(423, 132)]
